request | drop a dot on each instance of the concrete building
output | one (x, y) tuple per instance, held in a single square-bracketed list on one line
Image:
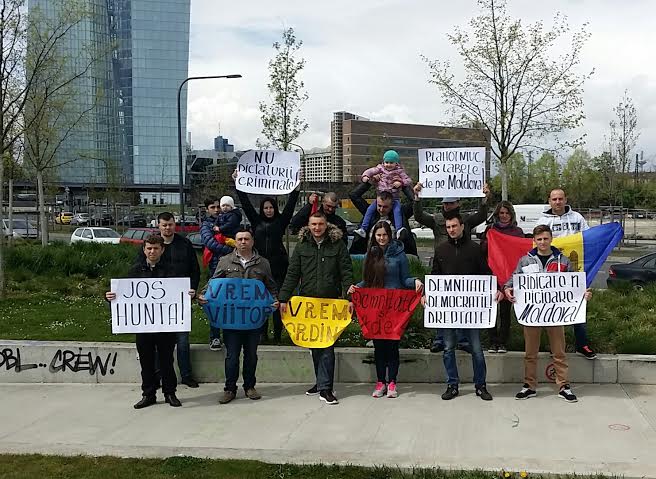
[(318, 166), (132, 130), (358, 143)]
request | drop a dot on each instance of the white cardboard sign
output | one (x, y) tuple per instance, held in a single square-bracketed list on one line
[(550, 299), (268, 172), (460, 301), (151, 305), (455, 172)]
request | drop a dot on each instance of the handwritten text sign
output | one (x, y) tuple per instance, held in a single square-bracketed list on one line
[(460, 301), (316, 322), (550, 299), (236, 303), (384, 313), (268, 172), (149, 305), (455, 172)]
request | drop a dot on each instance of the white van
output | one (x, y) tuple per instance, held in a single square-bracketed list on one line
[(527, 217)]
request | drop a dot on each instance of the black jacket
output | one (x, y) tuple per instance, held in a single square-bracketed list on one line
[(302, 218), (181, 259), (268, 233), (460, 256), (141, 269), (359, 245)]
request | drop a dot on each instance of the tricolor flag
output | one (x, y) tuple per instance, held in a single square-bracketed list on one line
[(587, 251)]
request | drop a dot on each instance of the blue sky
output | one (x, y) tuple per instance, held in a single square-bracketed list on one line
[(364, 57)]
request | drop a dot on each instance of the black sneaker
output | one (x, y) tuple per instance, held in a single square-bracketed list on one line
[(567, 394), (313, 391), (172, 400), (437, 347), (493, 349), (483, 393), (145, 402), (190, 382), (328, 397), (450, 393), (586, 352), (526, 392)]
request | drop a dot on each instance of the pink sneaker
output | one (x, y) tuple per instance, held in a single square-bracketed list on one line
[(391, 390), (380, 390)]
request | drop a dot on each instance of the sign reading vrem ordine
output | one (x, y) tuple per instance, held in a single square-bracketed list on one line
[(452, 172), (268, 172)]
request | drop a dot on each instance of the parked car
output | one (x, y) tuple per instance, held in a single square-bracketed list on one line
[(21, 228), (638, 272), (101, 219), (80, 219), (422, 232), (64, 218), (95, 235), (137, 235), (136, 219), (195, 241)]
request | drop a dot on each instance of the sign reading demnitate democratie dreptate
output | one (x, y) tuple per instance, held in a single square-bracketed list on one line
[(268, 172), (454, 172), (149, 305)]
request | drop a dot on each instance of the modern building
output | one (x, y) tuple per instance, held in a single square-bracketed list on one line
[(222, 144), (358, 143), (318, 166), (130, 138)]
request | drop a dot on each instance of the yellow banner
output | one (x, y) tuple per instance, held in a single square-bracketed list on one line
[(316, 322)]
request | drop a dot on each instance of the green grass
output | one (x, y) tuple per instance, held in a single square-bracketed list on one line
[(57, 294), (181, 467)]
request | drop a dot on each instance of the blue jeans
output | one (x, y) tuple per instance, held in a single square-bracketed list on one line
[(463, 337), (234, 340), (478, 359), (324, 367), (215, 333), (184, 354), (581, 335), (371, 211)]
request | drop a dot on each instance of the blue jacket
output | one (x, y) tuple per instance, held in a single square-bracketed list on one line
[(229, 222), (207, 237), (397, 268)]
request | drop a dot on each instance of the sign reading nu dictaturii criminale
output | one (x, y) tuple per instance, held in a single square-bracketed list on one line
[(268, 172)]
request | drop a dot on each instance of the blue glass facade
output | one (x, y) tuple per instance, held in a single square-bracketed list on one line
[(130, 137)]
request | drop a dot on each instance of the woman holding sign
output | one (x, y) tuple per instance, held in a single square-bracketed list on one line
[(269, 226), (386, 266)]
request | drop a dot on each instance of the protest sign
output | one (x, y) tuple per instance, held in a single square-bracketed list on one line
[(455, 172), (268, 172), (149, 305), (236, 303), (550, 299), (316, 322), (460, 301), (384, 313)]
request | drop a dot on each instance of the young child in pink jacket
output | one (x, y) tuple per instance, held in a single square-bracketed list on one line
[(387, 176)]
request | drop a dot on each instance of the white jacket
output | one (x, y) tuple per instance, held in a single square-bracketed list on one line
[(569, 223)]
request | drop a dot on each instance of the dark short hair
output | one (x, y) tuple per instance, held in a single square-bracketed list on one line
[(165, 216), (244, 229), (385, 196), (154, 239), (210, 200), (454, 216), (318, 214), (539, 229)]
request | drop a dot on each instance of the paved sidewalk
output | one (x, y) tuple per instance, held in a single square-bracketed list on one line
[(611, 430)]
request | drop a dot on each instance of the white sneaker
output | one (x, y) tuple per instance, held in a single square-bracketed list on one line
[(399, 232), (216, 345), (380, 390), (370, 343), (360, 232)]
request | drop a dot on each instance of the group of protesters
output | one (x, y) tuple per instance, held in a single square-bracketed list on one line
[(321, 267)]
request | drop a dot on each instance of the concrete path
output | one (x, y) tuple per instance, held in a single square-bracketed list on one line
[(611, 430)]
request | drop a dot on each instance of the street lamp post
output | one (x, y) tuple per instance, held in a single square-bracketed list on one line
[(181, 165)]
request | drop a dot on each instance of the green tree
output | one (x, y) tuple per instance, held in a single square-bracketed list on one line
[(624, 134), (281, 122), (546, 172), (517, 83), (608, 178), (580, 180)]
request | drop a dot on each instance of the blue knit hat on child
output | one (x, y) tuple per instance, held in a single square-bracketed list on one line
[(391, 156)]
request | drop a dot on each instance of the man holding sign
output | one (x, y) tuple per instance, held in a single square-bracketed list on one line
[(459, 255), (162, 343), (322, 266), (245, 263), (543, 259)]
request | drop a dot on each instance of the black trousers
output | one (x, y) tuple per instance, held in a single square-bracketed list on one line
[(150, 345), (386, 355), (500, 333)]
